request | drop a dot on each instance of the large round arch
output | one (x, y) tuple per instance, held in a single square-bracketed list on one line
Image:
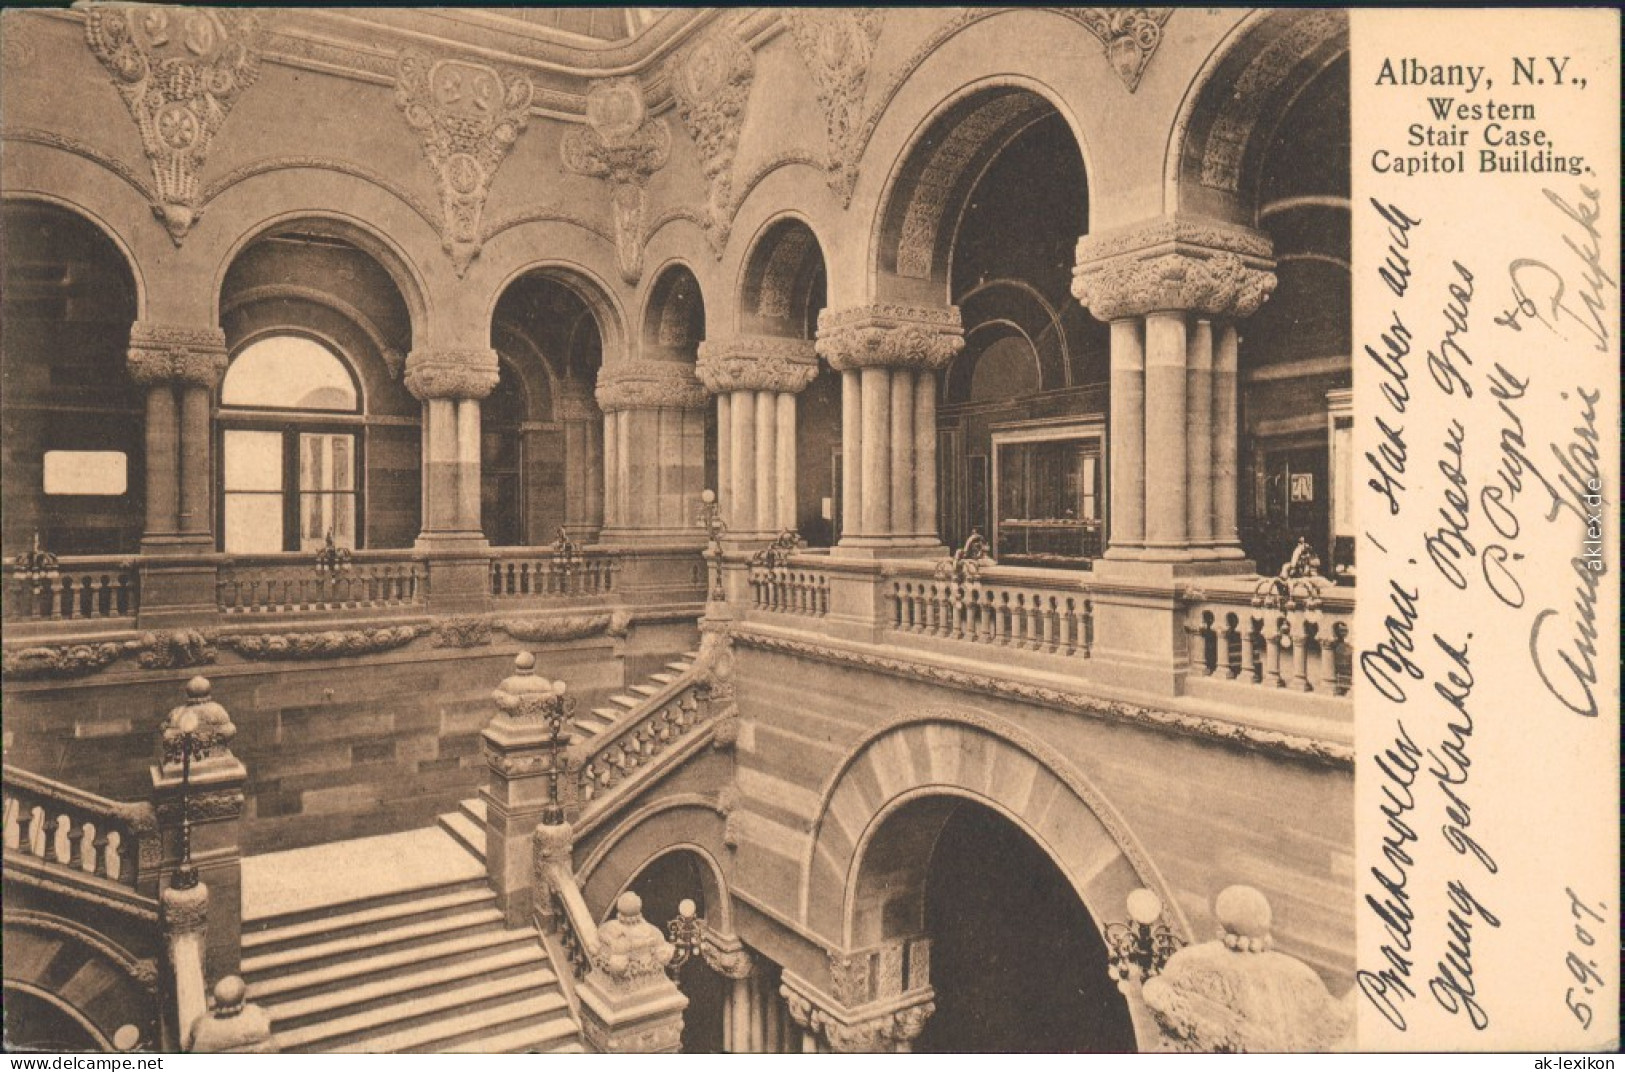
[(110, 999)]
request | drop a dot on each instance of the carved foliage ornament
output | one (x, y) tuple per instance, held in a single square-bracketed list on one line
[(757, 363), (468, 116), (454, 374), (1174, 265), (890, 336), (711, 82), (884, 1033), (1130, 35), (165, 354), (643, 384), (622, 144), (180, 71), (837, 45)]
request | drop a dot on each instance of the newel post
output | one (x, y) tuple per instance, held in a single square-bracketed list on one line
[(628, 1002)]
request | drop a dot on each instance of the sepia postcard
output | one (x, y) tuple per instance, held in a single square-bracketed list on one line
[(560, 529)]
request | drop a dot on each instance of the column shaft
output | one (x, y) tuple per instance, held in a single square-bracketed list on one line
[(1224, 440), (767, 461), (595, 476), (725, 476), (1127, 438), (902, 451), (612, 482), (925, 454), (439, 464), (1199, 433), (163, 461), (196, 472), (876, 449), (623, 467), (743, 517), (1166, 462), (851, 454), (785, 462), (468, 465)]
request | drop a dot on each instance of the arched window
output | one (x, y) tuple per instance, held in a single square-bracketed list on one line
[(290, 448)]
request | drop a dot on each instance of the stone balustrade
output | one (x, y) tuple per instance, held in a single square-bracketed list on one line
[(1273, 635), (790, 589), (79, 589), (290, 584), (518, 573), (60, 826), (1041, 613)]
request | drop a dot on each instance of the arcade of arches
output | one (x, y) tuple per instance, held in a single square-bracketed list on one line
[(558, 335)]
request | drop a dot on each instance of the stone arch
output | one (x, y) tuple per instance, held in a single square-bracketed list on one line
[(1021, 307), (687, 823), (96, 983), (781, 280), (980, 757), (673, 314), (1226, 122), (101, 225), (587, 285), (537, 378)]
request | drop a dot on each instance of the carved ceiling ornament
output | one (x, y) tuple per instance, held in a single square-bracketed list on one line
[(643, 384), (468, 115), (757, 363), (1174, 264), (711, 81), (838, 45), (890, 336), (622, 144), (180, 71), (1130, 35)]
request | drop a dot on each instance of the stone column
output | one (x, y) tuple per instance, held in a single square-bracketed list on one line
[(889, 357), (180, 367), (655, 411), (197, 792), (450, 383), (1172, 289), (726, 955), (756, 379), (583, 462)]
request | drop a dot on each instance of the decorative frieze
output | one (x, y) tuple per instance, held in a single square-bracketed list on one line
[(162, 354), (757, 363), (454, 374), (468, 116), (573, 627), (643, 384), (890, 336), (622, 144), (1130, 35), (329, 644), (838, 45), (711, 82), (1174, 264), (180, 71)]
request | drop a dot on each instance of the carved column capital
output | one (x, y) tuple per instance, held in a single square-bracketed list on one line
[(882, 1027), (1174, 264), (574, 402), (886, 335), (643, 384), (451, 373), (757, 363), (173, 354), (726, 955)]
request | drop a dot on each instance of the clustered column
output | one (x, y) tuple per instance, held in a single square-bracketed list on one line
[(1173, 292), (583, 460), (756, 379), (654, 449), (180, 368), (889, 357), (450, 384)]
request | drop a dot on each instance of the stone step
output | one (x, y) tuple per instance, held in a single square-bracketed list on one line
[(401, 901), (469, 832), (664, 679), (474, 808), (366, 969), (480, 1028), (319, 881), (646, 690), (365, 920), (606, 715), (680, 667), (299, 1011), (628, 702), (314, 954), (473, 995), (555, 1036)]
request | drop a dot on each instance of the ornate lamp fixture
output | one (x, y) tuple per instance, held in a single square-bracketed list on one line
[(193, 731), (1138, 949), (38, 567), (964, 565), (565, 554), (715, 529), (1296, 587), (686, 933), (331, 559), (778, 552)]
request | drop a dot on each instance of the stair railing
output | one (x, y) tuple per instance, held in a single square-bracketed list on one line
[(79, 834)]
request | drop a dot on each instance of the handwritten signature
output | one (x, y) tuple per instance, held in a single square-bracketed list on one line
[(1542, 291)]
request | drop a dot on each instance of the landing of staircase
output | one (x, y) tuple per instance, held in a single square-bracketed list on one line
[(301, 880)]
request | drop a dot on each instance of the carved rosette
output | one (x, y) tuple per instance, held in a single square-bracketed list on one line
[(454, 374), (622, 144), (1130, 35), (838, 45), (711, 82), (180, 71), (468, 116), (890, 336), (757, 363), (644, 384), (1174, 264), (168, 354)]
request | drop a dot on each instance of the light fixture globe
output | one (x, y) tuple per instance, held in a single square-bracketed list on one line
[(1144, 907)]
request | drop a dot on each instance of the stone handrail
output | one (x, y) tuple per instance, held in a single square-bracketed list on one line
[(72, 830), (536, 572), (1293, 635), (796, 588), (80, 588), (1036, 610), (292, 583), (640, 736), (567, 917)]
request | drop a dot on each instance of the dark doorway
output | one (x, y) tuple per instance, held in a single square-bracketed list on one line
[(1017, 963)]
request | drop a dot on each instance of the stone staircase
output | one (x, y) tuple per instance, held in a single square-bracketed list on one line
[(428, 968), (599, 719)]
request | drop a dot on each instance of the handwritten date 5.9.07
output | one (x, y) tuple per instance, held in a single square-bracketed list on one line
[(1582, 963)]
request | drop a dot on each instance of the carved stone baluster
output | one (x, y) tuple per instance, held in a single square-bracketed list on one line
[(76, 845), (1249, 655), (1272, 652), (1328, 636), (1196, 639), (1299, 625)]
